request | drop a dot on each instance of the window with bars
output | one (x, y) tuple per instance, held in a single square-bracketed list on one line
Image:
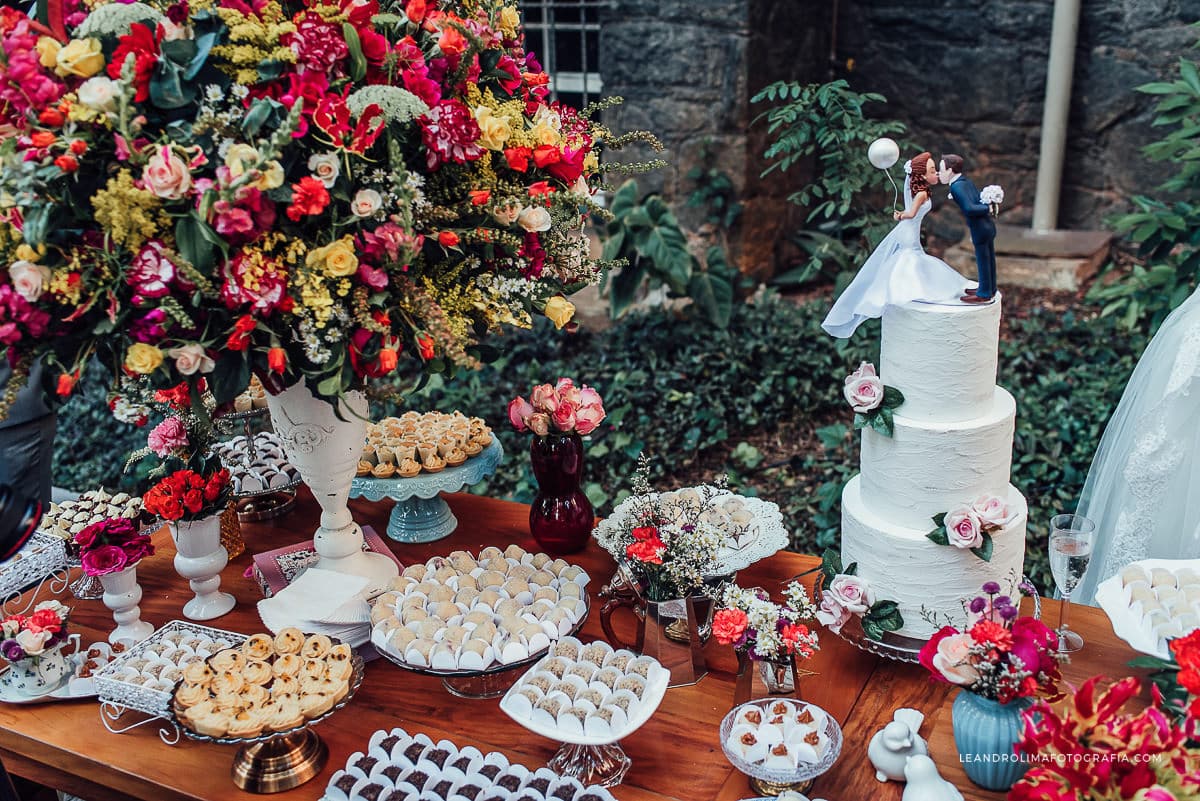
[(565, 36)]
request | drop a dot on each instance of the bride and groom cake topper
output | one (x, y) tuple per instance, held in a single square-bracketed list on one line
[(899, 270)]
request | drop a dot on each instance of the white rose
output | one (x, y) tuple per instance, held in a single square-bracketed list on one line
[(963, 528), (534, 218), (952, 660), (325, 168), (191, 359), (580, 188), (863, 389), (28, 279), (852, 593), (366, 202), (9, 629), (991, 510), (507, 213), (33, 644), (99, 93)]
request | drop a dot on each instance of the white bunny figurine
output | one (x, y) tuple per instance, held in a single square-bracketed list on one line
[(925, 783), (892, 745)]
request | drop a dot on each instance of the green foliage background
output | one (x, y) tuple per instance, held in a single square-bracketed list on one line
[(690, 395)]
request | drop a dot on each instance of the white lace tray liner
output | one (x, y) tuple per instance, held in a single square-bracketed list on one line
[(144, 677), (401, 767), (755, 534), (40, 557)]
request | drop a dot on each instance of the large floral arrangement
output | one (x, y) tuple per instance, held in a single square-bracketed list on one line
[(667, 548), (1001, 655), (305, 189), (754, 625), (111, 545), (30, 636), (560, 408), (1089, 749)]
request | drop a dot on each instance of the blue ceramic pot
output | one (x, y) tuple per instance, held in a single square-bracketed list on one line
[(985, 732)]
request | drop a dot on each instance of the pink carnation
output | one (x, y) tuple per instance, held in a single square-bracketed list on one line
[(450, 134), (167, 436)]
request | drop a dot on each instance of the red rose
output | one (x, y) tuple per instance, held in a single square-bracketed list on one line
[(728, 625), (66, 383), (193, 501), (42, 139), (388, 359), (309, 198), (66, 163), (540, 188), (480, 196), (518, 157), (51, 117), (78, 147), (447, 239), (277, 360), (415, 10), (425, 346), (545, 155), (239, 340)]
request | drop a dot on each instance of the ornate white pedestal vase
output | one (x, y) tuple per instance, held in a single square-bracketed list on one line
[(326, 451), (200, 558), (122, 595)]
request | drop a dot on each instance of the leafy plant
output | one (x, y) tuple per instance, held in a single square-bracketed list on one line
[(1167, 232), (646, 236), (714, 192), (826, 126)]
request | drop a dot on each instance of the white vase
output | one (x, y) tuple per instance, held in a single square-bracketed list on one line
[(326, 451), (39, 675), (200, 558), (122, 595)]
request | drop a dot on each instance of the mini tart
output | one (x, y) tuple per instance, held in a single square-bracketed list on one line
[(472, 448), (255, 695), (313, 705), (284, 715), (287, 665), (313, 669), (198, 673), (247, 723), (206, 720), (455, 457), (257, 673), (364, 468), (289, 641), (227, 681), (316, 646), (339, 671), (433, 463), (409, 468), (284, 685), (383, 470), (188, 695), (229, 659)]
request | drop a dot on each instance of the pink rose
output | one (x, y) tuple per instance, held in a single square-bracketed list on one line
[(863, 389), (832, 614), (544, 398), (963, 528), (991, 510), (29, 279), (167, 436), (589, 397), (568, 392), (167, 175), (851, 592), (539, 423), (104, 560), (191, 359), (588, 418), (564, 417), (519, 410), (952, 660)]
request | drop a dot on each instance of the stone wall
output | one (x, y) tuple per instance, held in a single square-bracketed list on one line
[(968, 76), (687, 70)]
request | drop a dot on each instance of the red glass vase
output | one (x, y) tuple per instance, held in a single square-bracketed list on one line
[(561, 517)]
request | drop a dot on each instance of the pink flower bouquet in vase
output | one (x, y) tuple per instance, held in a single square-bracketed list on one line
[(559, 416), (111, 550), (1003, 662)]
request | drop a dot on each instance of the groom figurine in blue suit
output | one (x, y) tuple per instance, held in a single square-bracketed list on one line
[(979, 221)]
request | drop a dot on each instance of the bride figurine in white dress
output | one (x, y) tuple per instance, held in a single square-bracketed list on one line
[(899, 271)]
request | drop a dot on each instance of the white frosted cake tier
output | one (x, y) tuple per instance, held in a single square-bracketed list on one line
[(943, 358), (928, 467), (930, 582)]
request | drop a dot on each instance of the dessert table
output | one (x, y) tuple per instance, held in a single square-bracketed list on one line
[(675, 756)]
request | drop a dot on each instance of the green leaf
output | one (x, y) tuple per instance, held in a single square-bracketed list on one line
[(939, 519), (831, 564), (358, 62), (623, 288), (1152, 662), (881, 421), (192, 237), (892, 397), (713, 293), (938, 536), (861, 421), (984, 551)]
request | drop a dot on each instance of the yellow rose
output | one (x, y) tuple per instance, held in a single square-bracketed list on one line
[(81, 57), (239, 158), (47, 50), (337, 258), (493, 130), (142, 358), (560, 310), (545, 134), (26, 253), (509, 20), (271, 177)]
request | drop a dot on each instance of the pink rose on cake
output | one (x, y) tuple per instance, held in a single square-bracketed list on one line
[(832, 614), (852, 593), (991, 511), (964, 529), (863, 389)]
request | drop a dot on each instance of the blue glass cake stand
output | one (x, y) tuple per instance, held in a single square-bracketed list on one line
[(420, 513)]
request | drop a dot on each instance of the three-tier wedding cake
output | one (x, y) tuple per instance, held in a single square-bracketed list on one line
[(951, 447)]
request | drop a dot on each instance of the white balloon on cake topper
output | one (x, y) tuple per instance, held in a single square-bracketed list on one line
[(883, 153)]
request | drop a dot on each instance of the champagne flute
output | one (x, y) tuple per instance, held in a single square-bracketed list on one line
[(1071, 541)]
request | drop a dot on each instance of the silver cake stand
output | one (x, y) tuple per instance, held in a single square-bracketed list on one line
[(420, 513)]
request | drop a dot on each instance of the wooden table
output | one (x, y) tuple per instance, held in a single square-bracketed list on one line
[(675, 756)]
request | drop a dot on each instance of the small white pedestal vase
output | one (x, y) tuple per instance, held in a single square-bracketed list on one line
[(326, 450), (200, 558), (122, 595)]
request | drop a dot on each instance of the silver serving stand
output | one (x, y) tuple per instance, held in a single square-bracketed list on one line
[(42, 562), (264, 504)]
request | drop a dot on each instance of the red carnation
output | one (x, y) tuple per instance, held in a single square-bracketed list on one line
[(142, 44), (309, 198)]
